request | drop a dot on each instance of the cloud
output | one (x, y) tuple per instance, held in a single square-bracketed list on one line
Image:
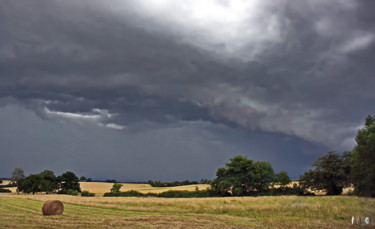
[(96, 117), (358, 42)]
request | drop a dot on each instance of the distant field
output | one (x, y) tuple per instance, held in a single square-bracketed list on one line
[(24, 211), (99, 188)]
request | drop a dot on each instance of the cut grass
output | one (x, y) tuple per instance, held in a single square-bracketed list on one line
[(24, 211)]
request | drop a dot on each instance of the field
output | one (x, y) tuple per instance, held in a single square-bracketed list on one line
[(24, 211), (99, 188)]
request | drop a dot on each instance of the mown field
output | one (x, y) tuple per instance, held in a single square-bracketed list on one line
[(24, 211)]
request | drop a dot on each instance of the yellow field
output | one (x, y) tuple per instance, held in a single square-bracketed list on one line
[(24, 211), (99, 188)]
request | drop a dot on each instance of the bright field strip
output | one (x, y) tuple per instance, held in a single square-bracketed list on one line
[(24, 211), (99, 188)]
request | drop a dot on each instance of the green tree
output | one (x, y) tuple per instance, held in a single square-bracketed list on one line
[(116, 188), (17, 175), (68, 181), (48, 181), (282, 179), (30, 184), (82, 178), (329, 174), (363, 161), (241, 176), (262, 175)]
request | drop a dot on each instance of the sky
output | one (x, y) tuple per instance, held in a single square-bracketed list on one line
[(139, 90)]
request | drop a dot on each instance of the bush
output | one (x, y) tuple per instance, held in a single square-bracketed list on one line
[(87, 193), (124, 194), (72, 192), (5, 190), (167, 194), (186, 194)]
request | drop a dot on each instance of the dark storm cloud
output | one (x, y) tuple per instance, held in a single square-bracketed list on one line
[(292, 70)]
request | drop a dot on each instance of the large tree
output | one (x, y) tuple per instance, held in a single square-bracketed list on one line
[(17, 175), (241, 176), (31, 184), (48, 181), (69, 180), (363, 171), (329, 174)]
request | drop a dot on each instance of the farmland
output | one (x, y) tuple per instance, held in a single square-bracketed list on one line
[(24, 211)]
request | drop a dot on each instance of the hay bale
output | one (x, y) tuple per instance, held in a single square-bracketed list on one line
[(53, 207)]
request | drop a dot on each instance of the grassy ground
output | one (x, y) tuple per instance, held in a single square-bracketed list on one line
[(24, 211)]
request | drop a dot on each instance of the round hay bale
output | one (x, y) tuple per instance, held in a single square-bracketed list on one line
[(53, 207)]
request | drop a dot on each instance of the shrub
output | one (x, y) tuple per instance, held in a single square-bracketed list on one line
[(124, 194), (72, 192), (87, 193), (4, 190)]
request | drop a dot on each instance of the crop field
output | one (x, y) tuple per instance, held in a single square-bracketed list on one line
[(24, 211), (99, 188)]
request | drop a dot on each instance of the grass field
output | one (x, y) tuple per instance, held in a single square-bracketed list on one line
[(24, 211)]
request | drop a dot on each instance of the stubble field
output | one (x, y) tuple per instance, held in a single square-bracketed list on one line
[(24, 211)]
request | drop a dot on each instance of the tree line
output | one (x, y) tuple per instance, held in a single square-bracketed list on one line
[(46, 181), (175, 183), (332, 172)]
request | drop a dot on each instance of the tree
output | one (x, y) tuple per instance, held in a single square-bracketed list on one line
[(262, 175), (329, 174), (82, 179), (116, 188), (17, 175), (30, 184), (363, 161), (48, 181), (68, 181), (282, 179), (242, 176)]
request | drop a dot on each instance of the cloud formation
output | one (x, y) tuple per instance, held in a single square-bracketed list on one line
[(287, 69)]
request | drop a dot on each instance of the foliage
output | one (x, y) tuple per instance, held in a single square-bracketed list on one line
[(172, 184), (186, 194), (111, 181), (17, 175), (205, 181), (330, 174), (72, 192), (68, 180), (131, 193), (30, 184), (167, 194), (83, 178), (363, 171), (48, 182), (2, 190), (87, 193), (242, 176), (116, 188), (282, 179)]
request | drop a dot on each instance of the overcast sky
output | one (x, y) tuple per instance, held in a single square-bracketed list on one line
[(170, 90)]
